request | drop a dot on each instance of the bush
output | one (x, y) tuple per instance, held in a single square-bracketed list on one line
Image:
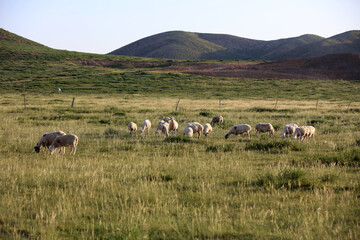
[(275, 146), (110, 132), (178, 139), (205, 114), (344, 158), (290, 179)]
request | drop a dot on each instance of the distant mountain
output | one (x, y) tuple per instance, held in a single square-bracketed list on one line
[(186, 45)]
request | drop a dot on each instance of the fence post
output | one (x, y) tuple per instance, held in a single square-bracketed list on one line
[(24, 101), (177, 104), (276, 103), (220, 104), (72, 104), (348, 106), (317, 103)]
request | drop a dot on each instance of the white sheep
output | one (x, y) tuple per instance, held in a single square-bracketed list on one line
[(207, 129), (264, 127), (197, 128), (217, 119), (132, 127), (163, 127), (146, 126), (159, 127), (239, 129), (64, 141), (47, 139), (311, 131), (166, 119), (289, 130), (301, 133), (188, 131), (173, 125)]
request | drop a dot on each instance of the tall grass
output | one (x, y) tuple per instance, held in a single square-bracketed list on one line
[(119, 186)]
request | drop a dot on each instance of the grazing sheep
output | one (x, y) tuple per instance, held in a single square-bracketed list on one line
[(166, 119), (146, 126), (217, 119), (239, 129), (207, 129), (188, 131), (311, 131), (47, 139), (161, 122), (64, 141), (301, 133), (289, 130), (163, 127), (132, 127), (173, 125), (264, 127), (197, 128)]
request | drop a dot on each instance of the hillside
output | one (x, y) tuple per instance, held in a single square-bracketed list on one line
[(192, 46)]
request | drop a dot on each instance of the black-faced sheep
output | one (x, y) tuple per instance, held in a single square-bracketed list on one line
[(47, 139)]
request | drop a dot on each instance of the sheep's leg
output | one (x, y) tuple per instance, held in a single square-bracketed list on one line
[(74, 150), (58, 150)]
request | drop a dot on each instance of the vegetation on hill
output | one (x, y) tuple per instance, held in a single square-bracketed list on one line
[(185, 45)]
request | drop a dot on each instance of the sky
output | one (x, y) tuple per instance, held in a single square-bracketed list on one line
[(101, 26)]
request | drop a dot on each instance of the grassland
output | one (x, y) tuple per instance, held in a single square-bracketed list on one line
[(123, 187)]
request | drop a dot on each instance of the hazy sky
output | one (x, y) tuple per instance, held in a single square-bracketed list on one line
[(105, 25)]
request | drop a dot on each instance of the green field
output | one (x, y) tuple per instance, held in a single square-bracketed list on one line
[(119, 186)]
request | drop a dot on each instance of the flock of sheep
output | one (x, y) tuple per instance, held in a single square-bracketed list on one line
[(60, 140)]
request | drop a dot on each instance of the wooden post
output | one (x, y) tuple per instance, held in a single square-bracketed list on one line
[(220, 104), (348, 106), (276, 103), (177, 104), (317, 103), (24, 101), (72, 104)]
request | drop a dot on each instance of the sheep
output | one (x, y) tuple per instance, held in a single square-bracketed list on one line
[(264, 127), (132, 127), (311, 131), (163, 127), (301, 133), (217, 119), (188, 131), (166, 119), (173, 125), (47, 139), (197, 128), (146, 126), (239, 129), (159, 128), (64, 141), (289, 130), (207, 129)]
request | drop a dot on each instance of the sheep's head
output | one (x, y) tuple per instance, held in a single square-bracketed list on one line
[(37, 149)]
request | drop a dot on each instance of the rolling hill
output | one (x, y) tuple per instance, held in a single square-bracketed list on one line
[(192, 46)]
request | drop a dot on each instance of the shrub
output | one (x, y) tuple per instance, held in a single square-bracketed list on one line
[(205, 114), (344, 158), (178, 139), (110, 132), (275, 146)]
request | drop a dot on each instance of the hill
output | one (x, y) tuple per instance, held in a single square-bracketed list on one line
[(192, 46)]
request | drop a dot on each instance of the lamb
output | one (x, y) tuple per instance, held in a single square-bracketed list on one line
[(311, 131), (196, 127), (301, 133), (173, 125), (207, 129), (146, 126), (166, 119), (64, 141), (217, 119), (132, 127), (289, 130), (239, 129), (264, 127), (188, 131), (47, 139), (163, 127)]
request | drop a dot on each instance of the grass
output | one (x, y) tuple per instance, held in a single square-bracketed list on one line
[(119, 186), (122, 186)]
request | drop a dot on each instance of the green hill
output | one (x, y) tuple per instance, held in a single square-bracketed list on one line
[(185, 45)]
